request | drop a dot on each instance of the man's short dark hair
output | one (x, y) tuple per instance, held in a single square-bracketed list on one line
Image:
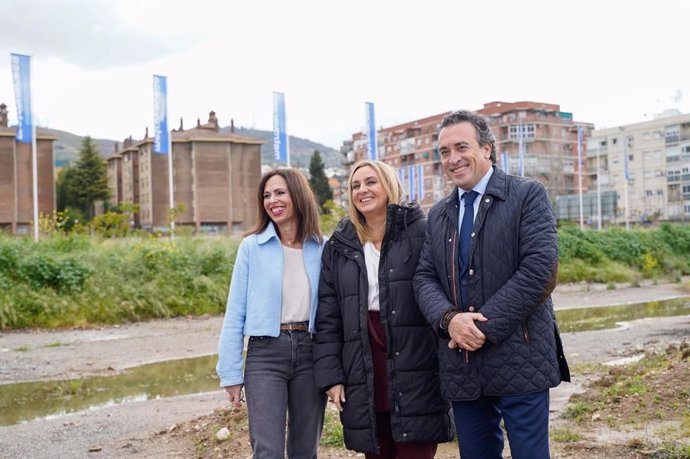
[(481, 127)]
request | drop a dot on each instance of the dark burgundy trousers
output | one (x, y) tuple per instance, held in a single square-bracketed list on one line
[(390, 449)]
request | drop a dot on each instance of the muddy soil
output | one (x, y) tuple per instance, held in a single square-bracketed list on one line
[(140, 428)]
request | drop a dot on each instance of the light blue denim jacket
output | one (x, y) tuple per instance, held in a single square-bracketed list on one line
[(254, 301)]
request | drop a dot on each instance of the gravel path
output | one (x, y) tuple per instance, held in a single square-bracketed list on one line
[(129, 430)]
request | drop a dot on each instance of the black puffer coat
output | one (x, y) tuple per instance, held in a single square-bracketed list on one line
[(342, 353), (512, 272)]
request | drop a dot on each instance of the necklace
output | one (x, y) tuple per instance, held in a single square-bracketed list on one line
[(290, 243)]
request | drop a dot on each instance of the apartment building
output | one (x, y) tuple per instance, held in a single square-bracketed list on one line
[(656, 154), (549, 142), (215, 176), (16, 182)]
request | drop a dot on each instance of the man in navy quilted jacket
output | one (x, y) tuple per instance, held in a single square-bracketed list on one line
[(484, 282)]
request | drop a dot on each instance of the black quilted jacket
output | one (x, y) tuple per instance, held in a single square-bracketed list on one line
[(512, 272), (342, 354)]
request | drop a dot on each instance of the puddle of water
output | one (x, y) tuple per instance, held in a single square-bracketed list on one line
[(600, 318), (25, 401)]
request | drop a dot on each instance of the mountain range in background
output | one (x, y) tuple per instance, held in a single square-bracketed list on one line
[(301, 150)]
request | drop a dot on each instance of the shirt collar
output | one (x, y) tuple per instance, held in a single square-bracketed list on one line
[(480, 187)]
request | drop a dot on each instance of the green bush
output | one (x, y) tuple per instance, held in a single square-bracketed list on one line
[(74, 280), (619, 255), (45, 271)]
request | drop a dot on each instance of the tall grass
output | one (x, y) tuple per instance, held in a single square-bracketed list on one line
[(76, 280), (617, 255)]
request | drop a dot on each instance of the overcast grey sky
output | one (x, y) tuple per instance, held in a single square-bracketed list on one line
[(609, 62)]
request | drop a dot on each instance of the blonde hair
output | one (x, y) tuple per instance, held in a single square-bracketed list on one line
[(391, 186)]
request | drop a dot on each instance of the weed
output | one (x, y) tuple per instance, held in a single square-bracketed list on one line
[(332, 431), (578, 411), (674, 451), (565, 436)]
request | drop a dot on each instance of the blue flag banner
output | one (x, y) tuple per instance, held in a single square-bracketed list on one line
[(505, 162), (21, 76), (420, 173), (160, 115), (280, 139), (413, 183), (372, 147)]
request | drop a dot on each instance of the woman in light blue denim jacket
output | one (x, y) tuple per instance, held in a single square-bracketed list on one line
[(273, 299)]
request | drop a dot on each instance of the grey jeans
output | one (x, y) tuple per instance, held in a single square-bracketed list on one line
[(279, 383)]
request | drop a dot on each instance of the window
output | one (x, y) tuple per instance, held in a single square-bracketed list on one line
[(514, 130), (648, 193), (659, 192), (672, 133)]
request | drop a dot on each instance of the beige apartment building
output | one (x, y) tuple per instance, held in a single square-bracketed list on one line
[(658, 161), (549, 145), (16, 183), (215, 177)]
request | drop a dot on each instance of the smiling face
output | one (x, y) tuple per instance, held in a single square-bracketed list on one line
[(368, 194), (465, 162), (277, 200)]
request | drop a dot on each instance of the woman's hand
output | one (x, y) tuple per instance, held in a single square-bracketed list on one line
[(336, 394), (235, 394)]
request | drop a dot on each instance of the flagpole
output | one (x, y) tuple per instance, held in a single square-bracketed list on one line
[(170, 173), (34, 160), (626, 176), (625, 191), (287, 138), (598, 194), (579, 174)]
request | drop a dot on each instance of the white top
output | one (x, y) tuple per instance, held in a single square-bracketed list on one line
[(296, 288), (371, 260)]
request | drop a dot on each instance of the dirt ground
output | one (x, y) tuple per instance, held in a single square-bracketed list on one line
[(155, 428)]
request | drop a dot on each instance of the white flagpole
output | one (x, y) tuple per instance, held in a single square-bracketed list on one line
[(626, 176), (170, 171), (579, 174), (34, 160), (598, 194), (625, 191)]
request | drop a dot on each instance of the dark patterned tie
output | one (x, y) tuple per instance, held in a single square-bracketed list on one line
[(466, 227), (465, 240)]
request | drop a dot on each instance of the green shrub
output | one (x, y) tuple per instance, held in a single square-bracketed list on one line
[(44, 271), (73, 280)]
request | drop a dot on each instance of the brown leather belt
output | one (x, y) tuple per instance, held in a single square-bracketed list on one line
[(294, 327)]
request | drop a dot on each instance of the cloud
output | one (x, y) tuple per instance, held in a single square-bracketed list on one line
[(92, 35)]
